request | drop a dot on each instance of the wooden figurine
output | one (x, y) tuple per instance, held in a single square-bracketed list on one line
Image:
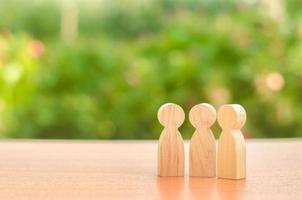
[(171, 145), (203, 145), (231, 145)]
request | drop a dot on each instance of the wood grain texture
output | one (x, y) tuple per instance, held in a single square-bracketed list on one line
[(231, 158), (202, 144), (170, 144), (114, 170)]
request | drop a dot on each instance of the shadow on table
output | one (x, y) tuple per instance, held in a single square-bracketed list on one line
[(200, 188), (171, 187), (213, 188), (231, 189), (204, 188)]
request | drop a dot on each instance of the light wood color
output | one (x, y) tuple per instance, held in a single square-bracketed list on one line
[(118, 170), (231, 158), (203, 144), (171, 146)]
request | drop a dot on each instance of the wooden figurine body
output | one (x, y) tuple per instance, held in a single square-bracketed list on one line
[(171, 146), (203, 144), (231, 144)]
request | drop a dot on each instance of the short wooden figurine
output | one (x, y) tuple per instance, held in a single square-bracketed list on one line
[(171, 145), (231, 145), (203, 144)]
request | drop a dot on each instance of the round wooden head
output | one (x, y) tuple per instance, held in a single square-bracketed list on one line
[(171, 115), (202, 114), (231, 116)]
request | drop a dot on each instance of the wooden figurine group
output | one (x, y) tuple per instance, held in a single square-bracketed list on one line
[(231, 154)]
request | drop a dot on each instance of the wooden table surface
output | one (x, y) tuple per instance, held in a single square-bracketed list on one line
[(32, 169)]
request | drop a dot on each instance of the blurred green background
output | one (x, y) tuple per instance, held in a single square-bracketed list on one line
[(100, 69)]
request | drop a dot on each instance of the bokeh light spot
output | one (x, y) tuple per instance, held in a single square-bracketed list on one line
[(275, 81)]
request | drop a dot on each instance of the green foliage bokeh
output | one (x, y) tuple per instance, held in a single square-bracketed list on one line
[(128, 59)]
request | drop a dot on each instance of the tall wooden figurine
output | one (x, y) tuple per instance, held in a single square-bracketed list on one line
[(231, 144), (171, 145), (203, 144)]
